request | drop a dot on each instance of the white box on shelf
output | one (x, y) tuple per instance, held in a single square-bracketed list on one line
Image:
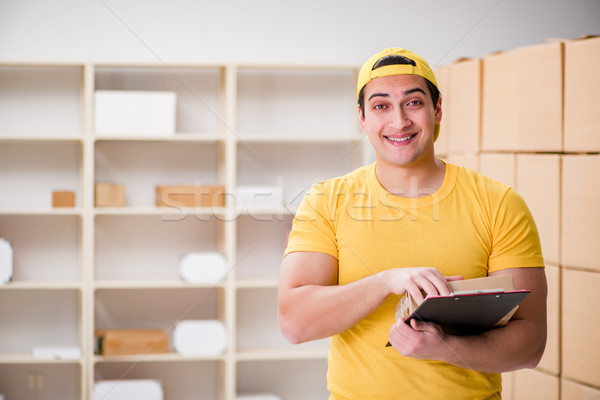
[(126, 389), (259, 196), (6, 261), (200, 337), (207, 267), (128, 112), (57, 353)]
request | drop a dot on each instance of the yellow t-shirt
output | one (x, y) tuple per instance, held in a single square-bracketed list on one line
[(470, 226)]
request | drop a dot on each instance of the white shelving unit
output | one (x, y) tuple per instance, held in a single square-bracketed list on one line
[(83, 268)]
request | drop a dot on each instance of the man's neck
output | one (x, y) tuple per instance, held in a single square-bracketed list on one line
[(411, 181)]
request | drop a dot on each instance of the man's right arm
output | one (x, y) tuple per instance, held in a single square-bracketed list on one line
[(313, 306)]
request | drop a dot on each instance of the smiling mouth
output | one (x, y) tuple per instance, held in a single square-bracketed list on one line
[(400, 140)]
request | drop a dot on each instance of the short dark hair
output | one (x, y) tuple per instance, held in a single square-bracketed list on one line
[(398, 60)]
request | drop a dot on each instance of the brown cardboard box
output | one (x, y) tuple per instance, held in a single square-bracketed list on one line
[(407, 304), (464, 106), (540, 97), (109, 195), (63, 199), (508, 385), (580, 326), (190, 196), (582, 85), (115, 342), (500, 167), (575, 391), (499, 105), (532, 384), (551, 358), (538, 181), (442, 75), (580, 211), (522, 99), (465, 160)]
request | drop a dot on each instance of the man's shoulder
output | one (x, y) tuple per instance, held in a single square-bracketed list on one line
[(353, 179)]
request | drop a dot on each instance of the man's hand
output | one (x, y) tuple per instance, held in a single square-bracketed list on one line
[(417, 281), (422, 340)]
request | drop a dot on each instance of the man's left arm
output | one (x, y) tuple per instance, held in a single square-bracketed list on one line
[(519, 344)]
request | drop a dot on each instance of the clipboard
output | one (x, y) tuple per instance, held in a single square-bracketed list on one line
[(468, 312)]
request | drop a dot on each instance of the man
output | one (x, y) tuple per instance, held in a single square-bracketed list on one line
[(408, 223)]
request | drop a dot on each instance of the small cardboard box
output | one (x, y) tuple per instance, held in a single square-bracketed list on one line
[(540, 97), (464, 104), (499, 108), (538, 182), (115, 342), (582, 84), (134, 112), (109, 195), (580, 212), (63, 199), (500, 167), (407, 304), (190, 196), (580, 353)]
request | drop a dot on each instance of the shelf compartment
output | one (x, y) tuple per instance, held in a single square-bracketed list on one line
[(31, 171), (288, 379), (130, 248), (261, 241), (41, 101), (45, 248), (154, 308), (50, 318), (257, 325), (292, 166), (198, 92), (286, 101), (59, 381), (180, 380), (140, 166)]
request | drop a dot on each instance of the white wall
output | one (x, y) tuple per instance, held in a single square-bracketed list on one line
[(272, 31)]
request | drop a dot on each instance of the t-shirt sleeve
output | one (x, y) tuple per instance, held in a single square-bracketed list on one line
[(313, 226), (516, 242)]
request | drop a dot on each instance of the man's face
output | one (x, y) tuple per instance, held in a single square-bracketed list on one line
[(399, 119)]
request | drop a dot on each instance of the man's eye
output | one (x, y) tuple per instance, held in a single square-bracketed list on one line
[(415, 103), (378, 107)]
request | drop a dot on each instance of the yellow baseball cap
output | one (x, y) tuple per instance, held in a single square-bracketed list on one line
[(420, 67)]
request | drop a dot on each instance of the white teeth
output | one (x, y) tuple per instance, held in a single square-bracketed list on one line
[(401, 140)]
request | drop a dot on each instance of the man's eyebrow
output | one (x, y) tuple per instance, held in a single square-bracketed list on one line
[(406, 93)]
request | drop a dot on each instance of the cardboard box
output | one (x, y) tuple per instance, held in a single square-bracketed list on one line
[(190, 196), (539, 97), (580, 326), (116, 342), (576, 391), (580, 211), (582, 85), (551, 359), (466, 160), (109, 195), (508, 385), (118, 112), (63, 199), (407, 304), (464, 106), (535, 385), (538, 182), (499, 104), (500, 167)]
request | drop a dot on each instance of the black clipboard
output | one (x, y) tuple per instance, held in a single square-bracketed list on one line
[(468, 313)]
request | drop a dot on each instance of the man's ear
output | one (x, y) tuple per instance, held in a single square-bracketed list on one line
[(438, 111), (361, 118)]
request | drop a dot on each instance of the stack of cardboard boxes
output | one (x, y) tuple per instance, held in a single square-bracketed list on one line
[(527, 117)]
